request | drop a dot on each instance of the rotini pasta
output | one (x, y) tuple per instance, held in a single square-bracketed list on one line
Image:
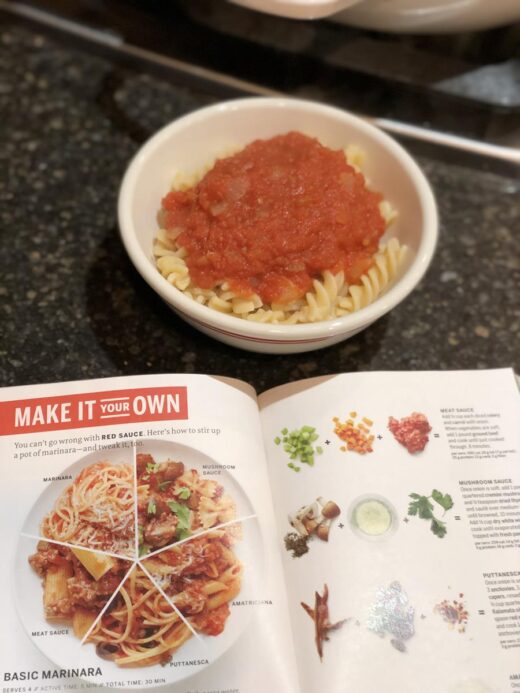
[(331, 296)]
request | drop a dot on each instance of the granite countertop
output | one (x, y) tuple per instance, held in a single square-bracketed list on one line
[(72, 306)]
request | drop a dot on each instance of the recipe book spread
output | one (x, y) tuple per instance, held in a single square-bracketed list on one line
[(357, 532)]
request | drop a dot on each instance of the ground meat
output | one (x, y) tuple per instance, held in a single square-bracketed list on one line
[(110, 581), (83, 592), (47, 555), (60, 609), (411, 431), (86, 592)]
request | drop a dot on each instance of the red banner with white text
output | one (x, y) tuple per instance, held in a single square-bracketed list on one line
[(93, 409)]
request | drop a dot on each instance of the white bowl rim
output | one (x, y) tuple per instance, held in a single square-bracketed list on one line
[(239, 327)]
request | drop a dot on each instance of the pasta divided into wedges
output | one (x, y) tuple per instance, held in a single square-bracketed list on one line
[(138, 610)]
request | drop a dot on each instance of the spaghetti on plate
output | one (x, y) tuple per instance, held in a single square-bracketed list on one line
[(96, 511)]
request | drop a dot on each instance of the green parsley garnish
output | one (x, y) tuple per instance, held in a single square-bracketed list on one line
[(152, 507), (144, 549), (182, 513), (423, 507), (152, 467), (184, 493), (445, 501)]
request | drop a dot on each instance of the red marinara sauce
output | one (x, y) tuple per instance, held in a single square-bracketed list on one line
[(271, 218)]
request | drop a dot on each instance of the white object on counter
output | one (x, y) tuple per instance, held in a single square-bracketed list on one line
[(431, 16), (298, 9), (408, 16)]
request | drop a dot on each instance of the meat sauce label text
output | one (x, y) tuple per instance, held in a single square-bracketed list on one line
[(93, 409)]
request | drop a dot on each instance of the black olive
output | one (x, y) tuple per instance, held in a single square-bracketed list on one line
[(149, 645), (107, 650)]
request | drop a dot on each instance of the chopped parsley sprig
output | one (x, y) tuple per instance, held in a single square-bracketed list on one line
[(423, 507), (183, 493), (182, 512), (144, 549)]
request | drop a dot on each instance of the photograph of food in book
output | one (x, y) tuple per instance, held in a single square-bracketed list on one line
[(185, 533)]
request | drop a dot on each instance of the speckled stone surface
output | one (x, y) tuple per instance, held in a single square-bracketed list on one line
[(73, 307)]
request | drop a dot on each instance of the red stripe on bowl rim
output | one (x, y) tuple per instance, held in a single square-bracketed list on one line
[(237, 335)]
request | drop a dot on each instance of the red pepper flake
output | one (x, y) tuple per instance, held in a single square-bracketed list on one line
[(454, 613)]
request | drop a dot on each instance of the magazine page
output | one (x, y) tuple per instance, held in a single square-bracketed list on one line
[(138, 540), (397, 498)]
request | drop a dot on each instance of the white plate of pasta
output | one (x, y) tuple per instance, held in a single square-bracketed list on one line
[(163, 605)]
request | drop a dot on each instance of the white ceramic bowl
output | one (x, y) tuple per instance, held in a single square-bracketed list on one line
[(297, 9), (409, 16), (430, 16), (190, 142)]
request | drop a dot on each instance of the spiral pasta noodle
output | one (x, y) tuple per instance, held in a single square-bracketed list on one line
[(330, 297), (374, 282)]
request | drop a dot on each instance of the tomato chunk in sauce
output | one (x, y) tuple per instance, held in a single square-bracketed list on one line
[(271, 218)]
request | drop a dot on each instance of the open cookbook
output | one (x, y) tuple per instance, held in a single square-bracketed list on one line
[(358, 532)]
